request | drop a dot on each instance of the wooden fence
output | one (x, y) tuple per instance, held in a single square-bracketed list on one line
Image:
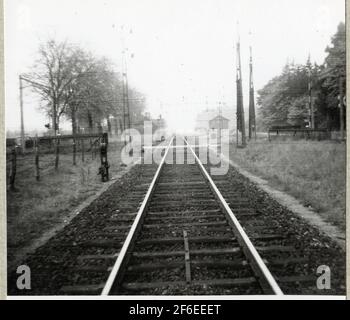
[(64, 144), (296, 132)]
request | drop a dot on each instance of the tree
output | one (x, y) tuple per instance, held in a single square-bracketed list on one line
[(55, 70), (96, 94), (334, 69), (137, 105), (79, 86), (284, 100)]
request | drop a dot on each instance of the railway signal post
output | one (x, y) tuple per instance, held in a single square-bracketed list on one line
[(252, 122), (104, 169), (240, 109)]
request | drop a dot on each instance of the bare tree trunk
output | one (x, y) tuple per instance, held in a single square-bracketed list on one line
[(54, 118), (56, 130), (74, 132), (37, 168), (90, 122), (57, 153), (109, 125), (100, 128), (82, 150), (13, 168)]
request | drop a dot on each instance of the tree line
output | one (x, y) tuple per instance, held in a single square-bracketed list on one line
[(76, 85), (284, 100)]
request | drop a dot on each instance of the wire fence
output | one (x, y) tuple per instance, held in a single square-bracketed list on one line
[(43, 155)]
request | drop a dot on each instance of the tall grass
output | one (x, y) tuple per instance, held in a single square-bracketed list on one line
[(38, 206), (312, 171)]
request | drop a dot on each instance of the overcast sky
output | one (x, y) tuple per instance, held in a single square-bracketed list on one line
[(183, 49)]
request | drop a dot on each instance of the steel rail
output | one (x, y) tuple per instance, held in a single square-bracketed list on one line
[(264, 275), (133, 230)]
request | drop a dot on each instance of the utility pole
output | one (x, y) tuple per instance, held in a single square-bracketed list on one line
[(33, 83), (240, 109), (311, 106), (221, 123), (126, 106), (252, 121), (22, 116)]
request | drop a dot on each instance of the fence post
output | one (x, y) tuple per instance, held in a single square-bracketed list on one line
[(91, 148), (82, 150), (74, 151), (13, 168), (37, 168), (57, 152)]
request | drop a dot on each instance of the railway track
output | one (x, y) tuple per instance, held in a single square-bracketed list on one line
[(185, 239), (172, 229)]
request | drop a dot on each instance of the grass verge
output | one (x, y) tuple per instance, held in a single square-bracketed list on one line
[(311, 171), (37, 206)]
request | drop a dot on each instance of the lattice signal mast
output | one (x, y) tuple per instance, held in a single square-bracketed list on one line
[(126, 106), (252, 120), (240, 110)]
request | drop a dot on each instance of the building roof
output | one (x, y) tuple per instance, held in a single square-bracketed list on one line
[(219, 117), (203, 118)]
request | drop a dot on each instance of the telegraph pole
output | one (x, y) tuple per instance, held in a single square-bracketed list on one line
[(252, 123), (126, 113), (126, 106), (22, 116), (311, 106), (33, 83), (240, 109)]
